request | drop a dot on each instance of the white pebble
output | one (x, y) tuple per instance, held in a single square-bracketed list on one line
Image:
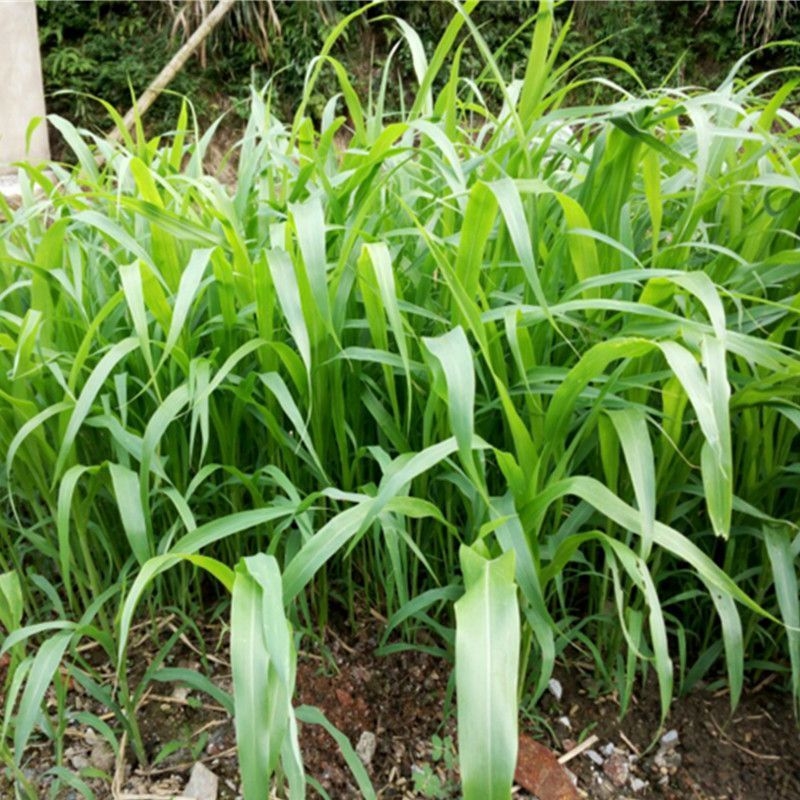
[(594, 756), (669, 739), (555, 688)]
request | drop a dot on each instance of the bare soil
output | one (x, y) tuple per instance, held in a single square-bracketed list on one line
[(403, 700)]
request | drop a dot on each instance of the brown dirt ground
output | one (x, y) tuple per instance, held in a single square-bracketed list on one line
[(402, 699)]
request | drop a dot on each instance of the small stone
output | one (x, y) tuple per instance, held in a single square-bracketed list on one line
[(667, 761), (638, 785), (181, 693), (220, 739), (564, 723), (102, 756), (607, 749), (365, 749), (79, 761), (669, 741), (617, 769), (555, 688), (203, 783), (595, 757)]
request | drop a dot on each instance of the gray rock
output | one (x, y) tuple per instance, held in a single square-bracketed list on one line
[(365, 749), (102, 756), (617, 769), (79, 761), (638, 785), (203, 783)]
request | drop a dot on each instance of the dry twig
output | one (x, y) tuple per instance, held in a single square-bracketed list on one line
[(733, 743), (578, 749)]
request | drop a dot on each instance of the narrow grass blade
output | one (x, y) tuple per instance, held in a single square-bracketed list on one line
[(275, 383), (188, 288), (197, 681), (11, 607), (454, 357), (131, 279), (44, 665), (87, 396), (782, 561), (284, 279), (631, 428), (309, 221), (126, 490), (536, 72), (310, 715)]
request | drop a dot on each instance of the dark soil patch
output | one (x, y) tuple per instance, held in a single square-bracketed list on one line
[(401, 699), (751, 754)]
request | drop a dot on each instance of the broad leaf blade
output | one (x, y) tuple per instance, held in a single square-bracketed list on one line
[(487, 660)]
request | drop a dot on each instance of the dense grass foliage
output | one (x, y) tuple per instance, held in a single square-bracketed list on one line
[(568, 332)]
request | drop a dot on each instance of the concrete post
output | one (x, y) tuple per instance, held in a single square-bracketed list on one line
[(21, 89)]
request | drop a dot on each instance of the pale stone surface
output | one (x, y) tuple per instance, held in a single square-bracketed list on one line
[(21, 92), (564, 723), (669, 740), (366, 746), (102, 756), (595, 757), (203, 783), (617, 769), (555, 688)]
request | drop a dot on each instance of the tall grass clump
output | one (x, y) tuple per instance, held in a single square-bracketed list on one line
[(563, 331)]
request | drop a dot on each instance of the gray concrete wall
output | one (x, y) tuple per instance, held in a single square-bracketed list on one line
[(21, 92)]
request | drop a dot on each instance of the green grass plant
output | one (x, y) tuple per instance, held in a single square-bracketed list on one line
[(564, 331), (487, 665)]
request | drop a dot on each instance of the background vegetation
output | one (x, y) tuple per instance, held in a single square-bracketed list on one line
[(105, 49)]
